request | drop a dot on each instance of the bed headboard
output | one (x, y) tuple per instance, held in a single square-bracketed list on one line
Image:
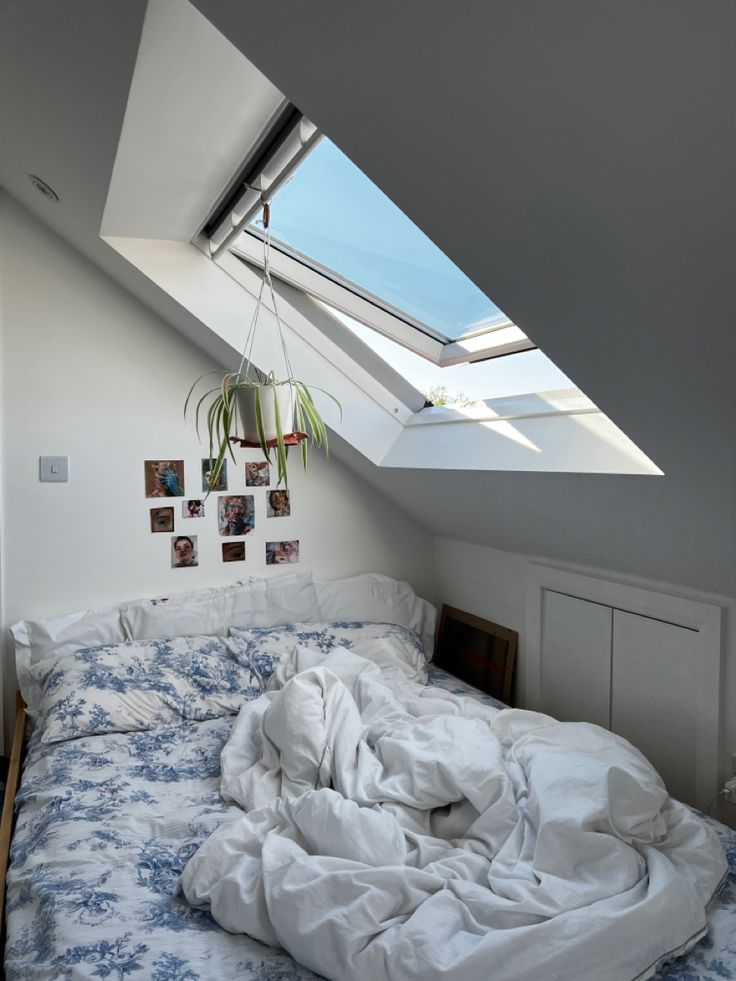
[(6, 824), (478, 651)]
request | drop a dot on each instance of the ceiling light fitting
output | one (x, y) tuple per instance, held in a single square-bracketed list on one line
[(43, 188)]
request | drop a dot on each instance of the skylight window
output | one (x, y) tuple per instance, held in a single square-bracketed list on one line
[(526, 372), (153, 208), (337, 237), (332, 217)]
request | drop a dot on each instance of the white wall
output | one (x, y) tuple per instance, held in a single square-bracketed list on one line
[(492, 584), (88, 371)]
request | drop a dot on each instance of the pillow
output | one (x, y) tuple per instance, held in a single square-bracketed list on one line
[(201, 611), (140, 685), (376, 598), (39, 640), (392, 647), (248, 603), (289, 598)]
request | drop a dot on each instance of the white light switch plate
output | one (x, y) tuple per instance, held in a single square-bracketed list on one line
[(54, 468)]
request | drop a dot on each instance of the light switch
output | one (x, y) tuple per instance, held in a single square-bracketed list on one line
[(54, 468)]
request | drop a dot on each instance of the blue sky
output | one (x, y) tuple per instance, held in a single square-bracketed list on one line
[(331, 212)]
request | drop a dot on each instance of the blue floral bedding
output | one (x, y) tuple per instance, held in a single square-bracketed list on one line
[(106, 823)]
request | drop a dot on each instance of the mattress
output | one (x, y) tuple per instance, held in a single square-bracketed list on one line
[(106, 824)]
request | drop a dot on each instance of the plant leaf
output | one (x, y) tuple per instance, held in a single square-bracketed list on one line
[(304, 445), (280, 448), (198, 411), (259, 426), (191, 390)]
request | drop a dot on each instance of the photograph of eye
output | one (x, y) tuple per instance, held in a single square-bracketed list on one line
[(162, 519), (233, 551)]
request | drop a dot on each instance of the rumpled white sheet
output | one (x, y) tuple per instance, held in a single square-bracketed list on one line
[(400, 832)]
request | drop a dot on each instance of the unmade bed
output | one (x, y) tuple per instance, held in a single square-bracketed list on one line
[(108, 820)]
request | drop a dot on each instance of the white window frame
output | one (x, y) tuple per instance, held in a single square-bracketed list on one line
[(233, 235), (325, 285)]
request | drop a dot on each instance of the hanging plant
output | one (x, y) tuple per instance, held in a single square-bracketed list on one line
[(273, 414)]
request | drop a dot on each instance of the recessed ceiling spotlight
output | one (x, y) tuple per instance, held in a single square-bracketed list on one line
[(43, 187)]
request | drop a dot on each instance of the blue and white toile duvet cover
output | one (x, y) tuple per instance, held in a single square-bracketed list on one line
[(108, 821)]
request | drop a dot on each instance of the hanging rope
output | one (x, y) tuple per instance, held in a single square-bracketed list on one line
[(290, 439), (265, 281)]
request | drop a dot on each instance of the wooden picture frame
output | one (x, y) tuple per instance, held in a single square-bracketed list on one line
[(477, 651)]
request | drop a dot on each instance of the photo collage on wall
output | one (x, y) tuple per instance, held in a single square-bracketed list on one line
[(234, 513)]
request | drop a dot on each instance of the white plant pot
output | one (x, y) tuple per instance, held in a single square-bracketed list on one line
[(247, 398)]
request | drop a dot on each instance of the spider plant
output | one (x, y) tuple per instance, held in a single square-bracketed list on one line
[(267, 409)]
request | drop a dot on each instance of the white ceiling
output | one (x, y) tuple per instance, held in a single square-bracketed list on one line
[(575, 159)]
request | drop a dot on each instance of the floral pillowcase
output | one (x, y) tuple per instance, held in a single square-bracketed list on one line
[(142, 685), (392, 647)]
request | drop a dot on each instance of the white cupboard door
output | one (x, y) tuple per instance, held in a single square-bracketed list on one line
[(576, 659), (654, 696)]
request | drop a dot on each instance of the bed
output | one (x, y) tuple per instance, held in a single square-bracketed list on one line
[(108, 820)]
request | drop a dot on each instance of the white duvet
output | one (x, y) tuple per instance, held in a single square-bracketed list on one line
[(399, 832)]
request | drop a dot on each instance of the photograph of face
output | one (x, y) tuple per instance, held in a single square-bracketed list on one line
[(233, 551), (278, 504), (257, 475), (162, 519), (207, 467), (192, 509), (282, 553), (183, 551), (235, 514), (164, 478)]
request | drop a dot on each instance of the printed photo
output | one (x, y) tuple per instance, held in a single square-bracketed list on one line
[(278, 504), (192, 509), (233, 551), (164, 478), (235, 514), (207, 467), (257, 475), (282, 553), (183, 551), (162, 519)]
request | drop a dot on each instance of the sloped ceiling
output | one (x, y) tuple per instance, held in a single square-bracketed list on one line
[(575, 159)]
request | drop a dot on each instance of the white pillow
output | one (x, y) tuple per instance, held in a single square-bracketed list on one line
[(378, 599), (201, 611), (251, 602), (39, 640), (270, 602)]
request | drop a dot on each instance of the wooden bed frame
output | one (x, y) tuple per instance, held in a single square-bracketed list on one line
[(477, 651), (11, 786)]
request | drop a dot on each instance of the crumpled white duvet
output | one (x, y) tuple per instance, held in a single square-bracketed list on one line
[(399, 832)]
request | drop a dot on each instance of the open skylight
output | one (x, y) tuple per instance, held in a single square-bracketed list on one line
[(528, 371), (332, 217), (340, 239), (522, 413)]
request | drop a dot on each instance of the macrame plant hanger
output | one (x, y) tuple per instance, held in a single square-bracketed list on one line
[(247, 368)]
